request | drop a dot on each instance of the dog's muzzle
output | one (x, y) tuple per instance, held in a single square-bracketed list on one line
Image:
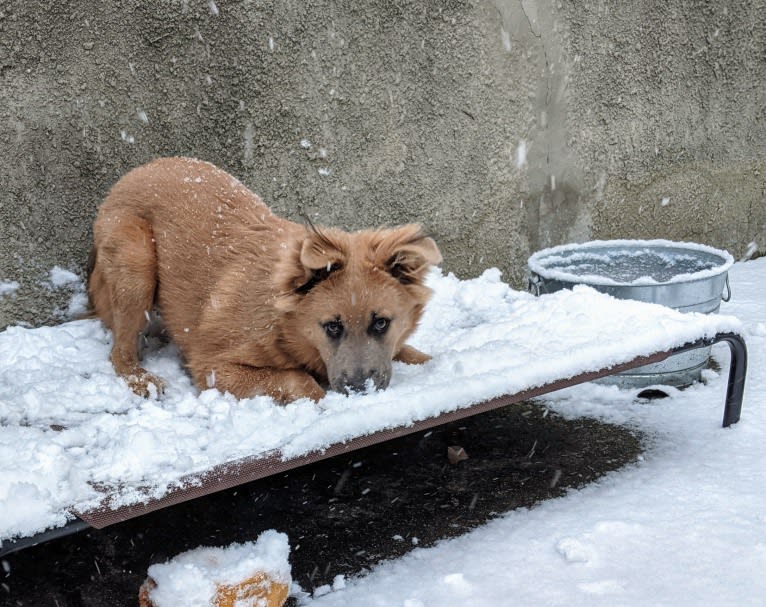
[(361, 380)]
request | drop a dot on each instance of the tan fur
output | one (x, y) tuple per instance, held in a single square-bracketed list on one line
[(247, 295)]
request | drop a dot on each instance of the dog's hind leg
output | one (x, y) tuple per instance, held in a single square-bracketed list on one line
[(121, 288)]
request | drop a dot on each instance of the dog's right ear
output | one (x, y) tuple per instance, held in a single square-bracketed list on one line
[(320, 256), (322, 250)]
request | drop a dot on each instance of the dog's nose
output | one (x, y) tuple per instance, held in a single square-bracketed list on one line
[(361, 380), (356, 381)]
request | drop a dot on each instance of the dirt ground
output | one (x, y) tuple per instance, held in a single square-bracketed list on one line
[(342, 515)]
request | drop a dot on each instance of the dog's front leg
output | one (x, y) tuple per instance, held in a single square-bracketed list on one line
[(283, 385), (411, 356)]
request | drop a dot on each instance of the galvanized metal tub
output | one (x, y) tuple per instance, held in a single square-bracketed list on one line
[(686, 276)]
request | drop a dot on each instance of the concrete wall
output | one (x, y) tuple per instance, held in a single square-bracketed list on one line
[(502, 126)]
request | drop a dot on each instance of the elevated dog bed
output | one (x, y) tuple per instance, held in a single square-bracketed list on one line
[(78, 449)]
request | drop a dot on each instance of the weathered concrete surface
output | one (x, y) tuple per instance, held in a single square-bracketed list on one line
[(502, 126)]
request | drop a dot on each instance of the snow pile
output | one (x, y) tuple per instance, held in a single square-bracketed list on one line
[(686, 526), (194, 578), (68, 425)]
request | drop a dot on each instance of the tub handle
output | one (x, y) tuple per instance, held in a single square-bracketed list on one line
[(533, 284), (727, 297)]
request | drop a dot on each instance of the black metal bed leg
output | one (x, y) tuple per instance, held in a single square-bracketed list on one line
[(735, 389), (10, 546)]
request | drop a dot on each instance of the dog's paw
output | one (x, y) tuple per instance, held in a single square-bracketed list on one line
[(145, 384), (411, 356), (296, 385)]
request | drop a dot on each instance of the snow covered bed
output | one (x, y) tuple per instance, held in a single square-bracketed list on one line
[(75, 441)]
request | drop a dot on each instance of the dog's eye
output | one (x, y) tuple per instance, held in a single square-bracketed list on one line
[(379, 325), (333, 329)]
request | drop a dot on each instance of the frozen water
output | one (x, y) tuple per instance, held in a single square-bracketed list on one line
[(630, 262)]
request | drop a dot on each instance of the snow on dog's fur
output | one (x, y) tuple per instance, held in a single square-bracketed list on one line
[(257, 304)]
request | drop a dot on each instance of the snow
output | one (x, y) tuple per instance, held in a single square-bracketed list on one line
[(752, 248), (59, 277), (8, 287), (506, 40), (521, 154), (338, 583), (69, 425), (685, 526), (193, 576)]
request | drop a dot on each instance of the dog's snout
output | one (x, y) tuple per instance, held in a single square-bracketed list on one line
[(362, 380)]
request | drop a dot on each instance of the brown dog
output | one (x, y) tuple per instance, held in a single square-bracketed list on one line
[(257, 304)]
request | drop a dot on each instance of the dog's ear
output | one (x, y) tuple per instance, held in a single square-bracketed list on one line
[(407, 253), (311, 260), (321, 250)]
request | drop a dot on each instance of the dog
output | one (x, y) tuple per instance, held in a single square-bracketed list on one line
[(257, 304)]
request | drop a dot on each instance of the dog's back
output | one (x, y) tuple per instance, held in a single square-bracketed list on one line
[(201, 220)]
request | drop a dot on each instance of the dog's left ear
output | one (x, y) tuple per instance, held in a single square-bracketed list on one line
[(407, 253)]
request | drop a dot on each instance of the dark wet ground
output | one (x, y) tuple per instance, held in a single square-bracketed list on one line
[(342, 515)]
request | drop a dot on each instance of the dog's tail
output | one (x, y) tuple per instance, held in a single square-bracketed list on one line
[(90, 311)]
